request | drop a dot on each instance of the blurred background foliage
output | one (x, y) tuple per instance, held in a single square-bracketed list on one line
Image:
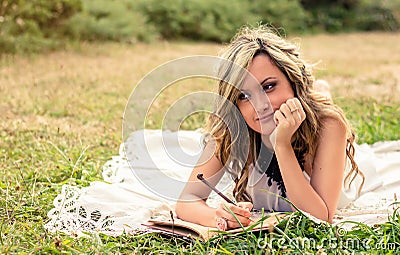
[(38, 25)]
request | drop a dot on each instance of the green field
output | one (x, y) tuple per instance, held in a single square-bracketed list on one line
[(61, 120)]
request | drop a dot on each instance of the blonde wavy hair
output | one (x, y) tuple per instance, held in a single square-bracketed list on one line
[(227, 126)]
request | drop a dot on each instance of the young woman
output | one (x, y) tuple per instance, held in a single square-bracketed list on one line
[(271, 131)]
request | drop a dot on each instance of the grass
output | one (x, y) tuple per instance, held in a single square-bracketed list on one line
[(61, 116)]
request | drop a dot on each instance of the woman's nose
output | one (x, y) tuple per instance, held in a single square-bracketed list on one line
[(261, 102)]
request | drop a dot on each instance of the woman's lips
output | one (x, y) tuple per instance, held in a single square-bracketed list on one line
[(265, 118)]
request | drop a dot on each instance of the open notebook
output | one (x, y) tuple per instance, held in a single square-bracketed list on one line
[(178, 227)]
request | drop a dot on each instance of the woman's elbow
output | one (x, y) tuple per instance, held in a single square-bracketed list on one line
[(324, 216), (178, 208), (330, 216), (327, 216)]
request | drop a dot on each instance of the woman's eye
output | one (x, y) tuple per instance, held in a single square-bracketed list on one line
[(243, 97), (268, 86)]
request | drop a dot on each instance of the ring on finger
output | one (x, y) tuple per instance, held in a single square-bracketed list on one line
[(293, 110), (222, 223)]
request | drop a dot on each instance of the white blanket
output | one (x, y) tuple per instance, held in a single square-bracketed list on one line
[(147, 176)]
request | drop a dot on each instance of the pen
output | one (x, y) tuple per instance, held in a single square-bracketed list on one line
[(201, 178)]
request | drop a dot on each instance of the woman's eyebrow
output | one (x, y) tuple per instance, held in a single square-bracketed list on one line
[(261, 83), (266, 79)]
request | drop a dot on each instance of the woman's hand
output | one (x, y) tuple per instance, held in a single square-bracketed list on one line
[(288, 119), (225, 217)]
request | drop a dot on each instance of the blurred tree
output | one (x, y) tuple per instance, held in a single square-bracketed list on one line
[(45, 14), (287, 14), (109, 20), (378, 15), (31, 25), (347, 4), (211, 20), (34, 25)]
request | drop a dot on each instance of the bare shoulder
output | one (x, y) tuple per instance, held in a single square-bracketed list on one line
[(332, 139), (332, 127)]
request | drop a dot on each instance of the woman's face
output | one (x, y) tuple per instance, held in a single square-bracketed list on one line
[(258, 104)]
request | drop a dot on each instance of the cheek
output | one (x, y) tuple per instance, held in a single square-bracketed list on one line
[(248, 114), (247, 111), (278, 99)]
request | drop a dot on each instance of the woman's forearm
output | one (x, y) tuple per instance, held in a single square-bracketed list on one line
[(299, 191), (196, 211)]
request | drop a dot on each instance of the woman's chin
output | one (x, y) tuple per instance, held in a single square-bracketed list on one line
[(267, 129)]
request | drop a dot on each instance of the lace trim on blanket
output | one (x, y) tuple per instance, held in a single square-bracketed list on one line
[(73, 217), (69, 217)]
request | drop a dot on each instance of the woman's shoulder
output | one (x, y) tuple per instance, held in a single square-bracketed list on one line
[(333, 130), (332, 123)]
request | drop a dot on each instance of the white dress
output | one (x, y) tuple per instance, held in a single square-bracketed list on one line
[(149, 173)]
